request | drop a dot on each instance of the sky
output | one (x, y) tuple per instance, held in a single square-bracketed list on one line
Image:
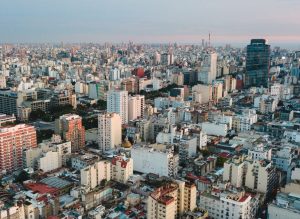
[(149, 21)]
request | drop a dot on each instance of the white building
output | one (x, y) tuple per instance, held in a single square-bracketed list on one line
[(109, 131), (259, 175), (136, 106), (114, 74), (217, 129), (222, 204), (48, 156), (92, 175), (156, 158), (295, 175), (244, 122), (208, 71), (49, 161), (202, 139), (281, 92), (292, 135), (117, 102), (217, 91), (205, 91), (224, 119), (286, 205), (167, 135), (260, 152), (2, 81), (122, 169)]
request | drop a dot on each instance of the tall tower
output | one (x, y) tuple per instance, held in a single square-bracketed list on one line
[(136, 106), (13, 140), (257, 63), (70, 128), (117, 102), (109, 131), (208, 71)]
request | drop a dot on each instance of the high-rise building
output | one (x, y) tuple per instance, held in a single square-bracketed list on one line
[(136, 106), (117, 102), (10, 101), (165, 59), (257, 63), (70, 128), (208, 71), (13, 140), (157, 58), (2, 81), (109, 131)]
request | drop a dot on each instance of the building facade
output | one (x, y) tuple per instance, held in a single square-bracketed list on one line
[(109, 131), (136, 106), (13, 140), (257, 63), (117, 102), (70, 128)]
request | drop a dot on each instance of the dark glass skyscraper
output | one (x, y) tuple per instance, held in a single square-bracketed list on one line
[(257, 63)]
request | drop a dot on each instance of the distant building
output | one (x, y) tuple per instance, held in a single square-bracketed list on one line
[(64, 97), (217, 129), (117, 102), (208, 72), (257, 63), (6, 119), (10, 101)]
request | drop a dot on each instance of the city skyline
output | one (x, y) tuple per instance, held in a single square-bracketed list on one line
[(150, 21)]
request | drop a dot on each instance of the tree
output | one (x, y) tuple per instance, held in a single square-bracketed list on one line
[(57, 111), (90, 123), (221, 161), (44, 134), (101, 105), (205, 153), (23, 176), (103, 182)]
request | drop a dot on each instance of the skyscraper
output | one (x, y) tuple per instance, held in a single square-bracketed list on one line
[(136, 106), (13, 140), (117, 102), (257, 63), (70, 128), (109, 131), (208, 71)]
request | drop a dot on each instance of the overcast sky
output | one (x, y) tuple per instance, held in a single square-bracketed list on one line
[(158, 21)]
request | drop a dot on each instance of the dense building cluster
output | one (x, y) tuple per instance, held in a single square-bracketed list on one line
[(149, 131)]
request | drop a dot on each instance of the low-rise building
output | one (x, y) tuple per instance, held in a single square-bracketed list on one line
[(232, 204), (122, 169)]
